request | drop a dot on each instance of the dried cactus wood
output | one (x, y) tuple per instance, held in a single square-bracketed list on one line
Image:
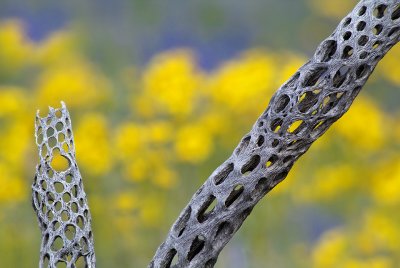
[(59, 198), (301, 110)]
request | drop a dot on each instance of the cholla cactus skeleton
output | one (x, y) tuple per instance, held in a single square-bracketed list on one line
[(303, 108), (59, 198)]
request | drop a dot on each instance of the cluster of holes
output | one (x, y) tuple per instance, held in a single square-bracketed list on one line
[(57, 198), (357, 42), (54, 138)]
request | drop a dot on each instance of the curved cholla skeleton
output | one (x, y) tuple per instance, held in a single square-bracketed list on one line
[(59, 198), (301, 110)]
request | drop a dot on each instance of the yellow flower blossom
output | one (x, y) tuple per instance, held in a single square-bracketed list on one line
[(13, 102), (78, 84), (173, 82), (12, 188), (363, 125), (129, 140), (159, 132), (15, 47), (386, 183), (331, 248), (327, 183), (164, 177), (193, 143), (244, 85), (389, 67), (382, 230), (57, 49), (93, 146), (137, 169)]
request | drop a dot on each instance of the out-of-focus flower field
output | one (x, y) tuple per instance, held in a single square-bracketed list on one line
[(147, 137)]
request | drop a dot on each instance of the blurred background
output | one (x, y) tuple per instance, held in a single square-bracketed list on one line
[(160, 93)]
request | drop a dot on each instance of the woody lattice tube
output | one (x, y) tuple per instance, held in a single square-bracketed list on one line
[(302, 109), (59, 198)]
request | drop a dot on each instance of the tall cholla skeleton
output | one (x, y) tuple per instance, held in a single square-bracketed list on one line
[(59, 198), (317, 95)]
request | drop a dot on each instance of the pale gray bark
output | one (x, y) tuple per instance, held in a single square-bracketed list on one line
[(317, 95), (59, 198)]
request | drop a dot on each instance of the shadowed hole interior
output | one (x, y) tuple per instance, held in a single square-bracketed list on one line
[(396, 13), (223, 173), (282, 103), (276, 125), (207, 208), (362, 10), (196, 247), (46, 260), (393, 31), (340, 76), (347, 52), (347, 35), (362, 70), (363, 40), (379, 11), (280, 176), (171, 259), (61, 264), (224, 229), (251, 164), (314, 76), (346, 22), (260, 140), (361, 25), (273, 158), (234, 195), (243, 144), (377, 29), (327, 50), (307, 100), (180, 225), (210, 263)]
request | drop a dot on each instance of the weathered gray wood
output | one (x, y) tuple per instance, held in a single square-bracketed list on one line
[(317, 95), (59, 198)]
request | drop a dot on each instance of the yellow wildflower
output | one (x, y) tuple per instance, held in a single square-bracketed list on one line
[(193, 143), (12, 188), (386, 183), (16, 49), (363, 125), (173, 82), (245, 85), (93, 144), (331, 248), (78, 84)]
